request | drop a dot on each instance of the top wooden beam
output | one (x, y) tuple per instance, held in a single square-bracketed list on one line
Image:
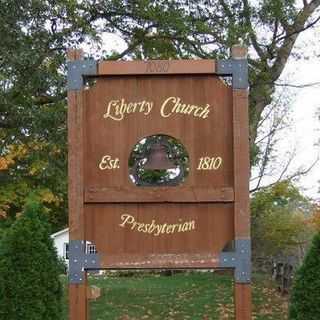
[(157, 67)]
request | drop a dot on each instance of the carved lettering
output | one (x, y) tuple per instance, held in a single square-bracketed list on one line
[(157, 66), (117, 109), (155, 229), (107, 163), (209, 163), (174, 105)]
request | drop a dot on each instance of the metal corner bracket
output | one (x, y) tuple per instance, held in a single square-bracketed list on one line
[(240, 260), (237, 69), (80, 261), (77, 70)]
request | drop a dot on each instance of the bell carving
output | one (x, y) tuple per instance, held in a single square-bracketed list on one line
[(158, 158)]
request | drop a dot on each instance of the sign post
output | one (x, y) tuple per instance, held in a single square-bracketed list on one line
[(158, 169)]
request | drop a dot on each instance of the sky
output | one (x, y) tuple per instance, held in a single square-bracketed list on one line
[(303, 132)]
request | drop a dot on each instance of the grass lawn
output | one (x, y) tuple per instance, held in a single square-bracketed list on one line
[(196, 296)]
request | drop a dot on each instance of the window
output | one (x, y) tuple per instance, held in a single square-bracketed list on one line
[(91, 249), (158, 160), (66, 250)]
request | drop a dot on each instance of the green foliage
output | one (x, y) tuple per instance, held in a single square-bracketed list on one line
[(280, 195), (34, 35), (315, 219), (34, 38), (37, 166), (272, 10), (279, 214), (62, 267), (305, 298), (29, 273)]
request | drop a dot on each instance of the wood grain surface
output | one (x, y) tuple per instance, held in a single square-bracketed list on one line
[(210, 137), (157, 67), (77, 292), (213, 229), (202, 198)]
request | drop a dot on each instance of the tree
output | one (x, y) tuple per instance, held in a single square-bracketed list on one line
[(305, 298), (33, 150), (35, 36), (29, 270), (315, 219), (207, 29), (280, 222)]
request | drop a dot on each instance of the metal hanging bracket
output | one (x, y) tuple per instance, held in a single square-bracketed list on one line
[(240, 260), (237, 69), (80, 261), (77, 70)]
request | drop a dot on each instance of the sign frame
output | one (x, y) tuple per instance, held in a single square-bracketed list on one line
[(239, 260)]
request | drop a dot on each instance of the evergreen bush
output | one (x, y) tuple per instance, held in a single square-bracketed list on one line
[(305, 298), (29, 272)]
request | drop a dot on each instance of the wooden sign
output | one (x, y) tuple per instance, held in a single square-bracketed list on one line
[(158, 169)]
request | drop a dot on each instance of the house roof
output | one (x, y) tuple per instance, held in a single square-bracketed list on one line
[(54, 235)]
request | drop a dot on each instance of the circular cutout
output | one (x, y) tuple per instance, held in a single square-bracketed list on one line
[(158, 160)]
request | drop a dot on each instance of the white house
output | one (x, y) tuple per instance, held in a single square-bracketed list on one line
[(61, 242)]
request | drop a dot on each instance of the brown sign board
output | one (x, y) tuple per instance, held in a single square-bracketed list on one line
[(191, 224)]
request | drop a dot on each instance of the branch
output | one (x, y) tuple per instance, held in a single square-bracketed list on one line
[(46, 99), (275, 32), (276, 124), (299, 86), (272, 132), (227, 10), (310, 25), (299, 173), (290, 38), (252, 34), (286, 167), (272, 109), (264, 160), (128, 50)]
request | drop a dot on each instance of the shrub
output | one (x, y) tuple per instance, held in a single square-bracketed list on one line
[(62, 266), (29, 270), (305, 298)]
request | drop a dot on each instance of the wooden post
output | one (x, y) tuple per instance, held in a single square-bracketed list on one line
[(77, 292), (241, 183)]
